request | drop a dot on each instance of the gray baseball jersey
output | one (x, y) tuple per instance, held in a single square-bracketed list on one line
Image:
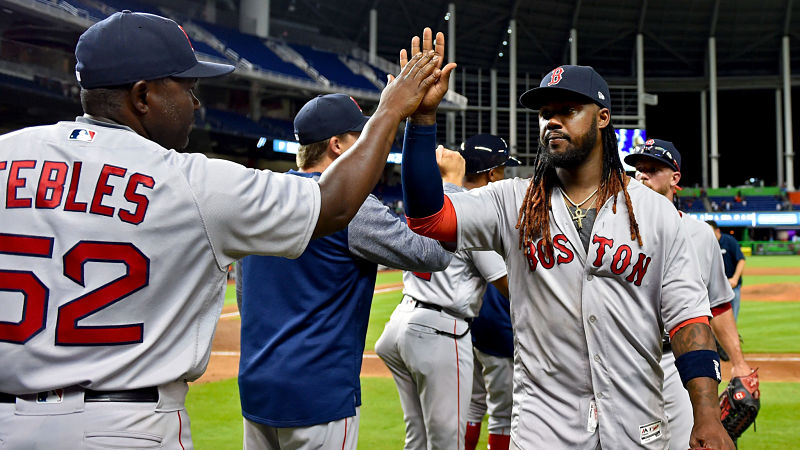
[(588, 324), (114, 253), (420, 346), (459, 289), (677, 404)]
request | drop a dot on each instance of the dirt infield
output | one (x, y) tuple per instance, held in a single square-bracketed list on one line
[(783, 292), (224, 363)]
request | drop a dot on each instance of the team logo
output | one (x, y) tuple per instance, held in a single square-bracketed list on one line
[(739, 395), (82, 134), (649, 142), (716, 370), (556, 76), (600, 95), (55, 396)]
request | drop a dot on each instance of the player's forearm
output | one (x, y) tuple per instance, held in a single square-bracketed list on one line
[(348, 181), (724, 326), (739, 270), (423, 194), (705, 401)]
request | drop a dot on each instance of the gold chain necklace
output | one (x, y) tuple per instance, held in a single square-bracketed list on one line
[(579, 213)]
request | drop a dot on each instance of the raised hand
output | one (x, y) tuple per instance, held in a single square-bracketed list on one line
[(404, 93), (426, 112)]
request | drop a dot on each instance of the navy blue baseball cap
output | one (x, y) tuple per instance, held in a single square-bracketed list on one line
[(657, 149), (484, 152), (127, 47), (581, 80), (326, 116)]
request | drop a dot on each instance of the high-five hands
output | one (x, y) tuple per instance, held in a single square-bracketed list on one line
[(404, 93), (426, 111)]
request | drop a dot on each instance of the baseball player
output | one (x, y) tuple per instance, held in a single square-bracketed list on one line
[(592, 286), (304, 321), (734, 262), (658, 164), (427, 345), (486, 157), (114, 249)]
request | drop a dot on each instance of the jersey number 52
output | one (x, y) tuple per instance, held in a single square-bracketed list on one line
[(36, 295)]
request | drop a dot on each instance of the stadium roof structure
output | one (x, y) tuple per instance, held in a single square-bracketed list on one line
[(748, 33)]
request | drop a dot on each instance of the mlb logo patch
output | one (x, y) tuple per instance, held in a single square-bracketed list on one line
[(82, 134), (55, 396)]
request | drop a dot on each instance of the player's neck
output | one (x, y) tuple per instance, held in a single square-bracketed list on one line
[(580, 181), (318, 167)]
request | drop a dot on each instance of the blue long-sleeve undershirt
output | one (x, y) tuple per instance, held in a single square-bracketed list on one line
[(422, 184)]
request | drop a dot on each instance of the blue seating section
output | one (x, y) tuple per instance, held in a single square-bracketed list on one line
[(751, 203), (91, 10), (329, 65), (277, 128), (253, 49), (232, 123), (202, 47)]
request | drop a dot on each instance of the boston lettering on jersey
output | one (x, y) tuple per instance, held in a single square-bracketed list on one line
[(52, 181), (620, 257)]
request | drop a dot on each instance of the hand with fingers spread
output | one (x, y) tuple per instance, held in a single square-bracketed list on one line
[(404, 92), (426, 112)]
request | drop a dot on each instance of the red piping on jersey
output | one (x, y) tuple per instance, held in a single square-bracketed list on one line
[(441, 225), (344, 441), (458, 384), (702, 319), (717, 310), (180, 430)]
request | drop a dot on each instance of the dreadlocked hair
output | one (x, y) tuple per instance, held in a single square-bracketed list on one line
[(534, 214)]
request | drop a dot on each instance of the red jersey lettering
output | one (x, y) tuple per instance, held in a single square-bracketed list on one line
[(546, 256), (565, 254), (103, 188), (620, 262), (601, 250), (137, 216), (530, 254), (15, 182), (639, 270), (51, 184), (71, 204)]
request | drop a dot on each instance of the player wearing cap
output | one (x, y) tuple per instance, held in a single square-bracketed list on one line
[(591, 285), (486, 157), (304, 321), (658, 165), (114, 250)]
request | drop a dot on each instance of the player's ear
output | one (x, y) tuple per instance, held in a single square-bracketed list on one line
[(138, 96), (603, 117), (335, 146), (676, 178)]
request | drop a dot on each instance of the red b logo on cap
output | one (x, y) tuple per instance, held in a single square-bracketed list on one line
[(555, 76)]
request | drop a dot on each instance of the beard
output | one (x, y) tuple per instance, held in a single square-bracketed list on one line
[(577, 150)]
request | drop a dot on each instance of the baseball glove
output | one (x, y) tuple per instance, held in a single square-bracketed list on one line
[(739, 404)]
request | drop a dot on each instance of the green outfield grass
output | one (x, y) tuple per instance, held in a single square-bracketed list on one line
[(217, 422), (389, 276), (773, 261), (382, 307), (750, 280), (769, 327), (230, 294)]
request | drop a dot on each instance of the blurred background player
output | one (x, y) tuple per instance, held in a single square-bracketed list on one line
[(658, 165), (120, 246), (427, 345), (486, 157), (304, 321), (734, 264)]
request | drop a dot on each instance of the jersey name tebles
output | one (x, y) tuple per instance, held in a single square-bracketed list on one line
[(114, 253), (588, 325)]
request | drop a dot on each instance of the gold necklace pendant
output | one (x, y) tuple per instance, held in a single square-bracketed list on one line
[(578, 216)]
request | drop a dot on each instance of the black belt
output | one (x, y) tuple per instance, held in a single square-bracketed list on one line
[(142, 395), (426, 305), (666, 345), (434, 307)]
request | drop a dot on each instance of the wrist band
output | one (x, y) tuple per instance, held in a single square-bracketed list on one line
[(698, 363)]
